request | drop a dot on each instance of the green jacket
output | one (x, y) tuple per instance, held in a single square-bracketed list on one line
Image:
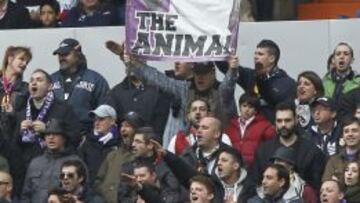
[(108, 176), (350, 83)]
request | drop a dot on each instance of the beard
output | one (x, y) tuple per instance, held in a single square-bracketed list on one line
[(285, 132)]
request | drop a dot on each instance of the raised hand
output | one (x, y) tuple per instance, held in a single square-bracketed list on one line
[(159, 149)]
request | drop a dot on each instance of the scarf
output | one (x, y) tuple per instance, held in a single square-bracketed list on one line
[(29, 135), (8, 88)]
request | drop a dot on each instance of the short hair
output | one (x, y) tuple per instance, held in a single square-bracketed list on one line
[(52, 3), (235, 154), (350, 120), (199, 99), (148, 133), (286, 106), (144, 162), (344, 44), (340, 186), (79, 167), (14, 50), (272, 46), (204, 180), (315, 80), (251, 99), (358, 164), (282, 173), (47, 75)]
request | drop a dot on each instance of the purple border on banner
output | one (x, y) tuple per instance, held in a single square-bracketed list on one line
[(162, 7)]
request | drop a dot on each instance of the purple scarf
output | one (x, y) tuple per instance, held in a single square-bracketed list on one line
[(29, 135)]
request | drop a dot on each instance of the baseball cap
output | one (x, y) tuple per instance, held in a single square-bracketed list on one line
[(66, 46), (103, 111), (324, 101)]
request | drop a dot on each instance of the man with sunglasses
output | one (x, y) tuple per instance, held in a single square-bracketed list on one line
[(44, 171), (73, 178)]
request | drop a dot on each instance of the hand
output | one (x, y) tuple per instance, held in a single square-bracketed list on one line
[(159, 149), (233, 61), (131, 180), (26, 124), (38, 126), (116, 48), (9, 108)]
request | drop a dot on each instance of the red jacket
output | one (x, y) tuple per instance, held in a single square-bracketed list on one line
[(259, 130)]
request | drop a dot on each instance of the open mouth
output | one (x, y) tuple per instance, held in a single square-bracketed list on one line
[(34, 89), (194, 197)]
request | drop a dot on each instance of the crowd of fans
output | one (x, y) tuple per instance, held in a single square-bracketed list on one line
[(177, 137)]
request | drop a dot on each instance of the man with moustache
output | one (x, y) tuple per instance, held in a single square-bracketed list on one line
[(75, 84), (309, 161), (270, 83)]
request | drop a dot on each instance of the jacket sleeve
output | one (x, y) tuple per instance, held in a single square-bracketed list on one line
[(269, 132), (347, 104), (27, 188), (317, 168), (329, 170), (182, 171), (226, 91), (152, 76), (101, 91), (148, 194)]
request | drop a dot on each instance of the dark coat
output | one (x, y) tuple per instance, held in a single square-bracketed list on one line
[(16, 16), (184, 172), (148, 101), (89, 90), (309, 164), (93, 152), (348, 103), (274, 88), (23, 153)]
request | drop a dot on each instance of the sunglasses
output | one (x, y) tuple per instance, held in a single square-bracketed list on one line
[(68, 175)]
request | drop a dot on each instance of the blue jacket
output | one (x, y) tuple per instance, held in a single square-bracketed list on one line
[(89, 91), (104, 16)]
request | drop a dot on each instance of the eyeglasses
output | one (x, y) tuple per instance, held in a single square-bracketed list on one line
[(69, 175)]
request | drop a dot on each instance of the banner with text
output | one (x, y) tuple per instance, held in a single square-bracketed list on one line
[(182, 30)]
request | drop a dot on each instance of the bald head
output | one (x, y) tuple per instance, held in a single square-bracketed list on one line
[(209, 133)]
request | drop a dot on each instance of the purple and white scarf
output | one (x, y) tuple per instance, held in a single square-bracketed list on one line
[(29, 135)]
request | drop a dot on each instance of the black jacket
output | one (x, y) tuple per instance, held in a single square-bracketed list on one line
[(184, 172), (310, 160), (93, 152), (348, 103), (149, 102), (274, 88), (16, 16), (23, 153)]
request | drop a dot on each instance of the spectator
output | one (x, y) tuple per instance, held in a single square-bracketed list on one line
[(6, 185), (352, 182), (49, 14), (336, 164), (327, 130), (202, 190), (203, 86), (73, 178), (44, 171), (342, 78), (13, 15), (270, 83), (59, 195), (108, 178), (331, 191), (309, 87), (286, 156), (142, 148), (92, 13), (231, 180), (13, 90), (198, 109), (103, 139), (249, 129), (40, 108), (74, 83), (148, 101), (274, 186), (310, 160)]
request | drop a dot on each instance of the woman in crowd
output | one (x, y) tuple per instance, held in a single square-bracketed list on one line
[(352, 182), (309, 87)]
